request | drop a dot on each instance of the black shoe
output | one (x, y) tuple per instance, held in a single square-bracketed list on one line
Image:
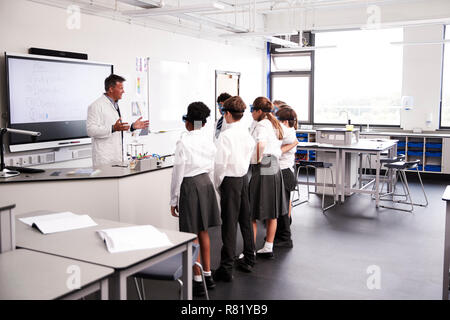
[(197, 289), (265, 255), (283, 244), (222, 275), (242, 265), (210, 284)]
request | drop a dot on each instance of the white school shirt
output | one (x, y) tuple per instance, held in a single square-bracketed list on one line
[(194, 155), (287, 159), (265, 132), (234, 149)]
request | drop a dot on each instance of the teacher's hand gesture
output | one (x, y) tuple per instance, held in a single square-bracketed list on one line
[(121, 126), (138, 124)]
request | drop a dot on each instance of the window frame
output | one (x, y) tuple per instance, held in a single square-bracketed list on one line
[(310, 74), (441, 127)]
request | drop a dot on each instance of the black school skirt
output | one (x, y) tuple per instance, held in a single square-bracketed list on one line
[(266, 190), (198, 205)]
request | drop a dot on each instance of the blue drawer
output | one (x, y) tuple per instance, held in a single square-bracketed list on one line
[(302, 152), (415, 144), (415, 153), (433, 145), (434, 168), (401, 144), (433, 154), (302, 135)]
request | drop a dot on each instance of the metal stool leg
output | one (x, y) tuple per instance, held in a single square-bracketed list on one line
[(404, 181), (203, 279), (423, 190), (137, 288), (334, 192)]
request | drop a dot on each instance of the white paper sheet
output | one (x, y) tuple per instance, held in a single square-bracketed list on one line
[(133, 238), (59, 222)]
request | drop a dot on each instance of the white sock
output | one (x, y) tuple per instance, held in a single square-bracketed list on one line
[(198, 278), (207, 273), (268, 247)]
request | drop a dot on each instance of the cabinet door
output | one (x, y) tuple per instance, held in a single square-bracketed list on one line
[(446, 155)]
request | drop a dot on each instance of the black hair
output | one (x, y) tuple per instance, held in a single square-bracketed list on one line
[(112, 80), (223, 97), (197, 111)]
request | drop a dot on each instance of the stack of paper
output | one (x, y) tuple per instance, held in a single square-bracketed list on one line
[(133, 238), (58, 222)]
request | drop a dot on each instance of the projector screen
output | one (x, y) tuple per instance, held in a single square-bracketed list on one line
[(51, 95)]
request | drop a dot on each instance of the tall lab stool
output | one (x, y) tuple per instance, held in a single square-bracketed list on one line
[(315, 165), (400, 169), (170, 269), (389, 174)]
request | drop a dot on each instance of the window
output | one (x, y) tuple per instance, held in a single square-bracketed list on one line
[(362, 76), (445, 107), (290, 81)]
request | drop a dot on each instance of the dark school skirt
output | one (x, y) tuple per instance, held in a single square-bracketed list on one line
[(198, 205), (266, 190)]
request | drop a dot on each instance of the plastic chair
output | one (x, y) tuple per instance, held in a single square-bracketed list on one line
[(170, 269), (315, 165)]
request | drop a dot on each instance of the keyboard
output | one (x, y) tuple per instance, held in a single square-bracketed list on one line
[(25, 169)]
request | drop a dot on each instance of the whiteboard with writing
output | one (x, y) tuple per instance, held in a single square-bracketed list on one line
[(52, 91)]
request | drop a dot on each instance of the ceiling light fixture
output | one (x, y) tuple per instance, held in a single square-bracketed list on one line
[(174, 10)]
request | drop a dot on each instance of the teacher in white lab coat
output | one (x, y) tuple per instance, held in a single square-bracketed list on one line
[(104, 124)]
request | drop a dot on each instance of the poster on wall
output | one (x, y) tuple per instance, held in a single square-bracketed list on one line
[(139, 107)]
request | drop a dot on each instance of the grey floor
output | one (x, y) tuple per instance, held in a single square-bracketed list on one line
[(333, 251)]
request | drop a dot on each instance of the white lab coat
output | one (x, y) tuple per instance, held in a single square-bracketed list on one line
[(106, 145)]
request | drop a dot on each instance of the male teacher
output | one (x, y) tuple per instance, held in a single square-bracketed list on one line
[(104, 124)]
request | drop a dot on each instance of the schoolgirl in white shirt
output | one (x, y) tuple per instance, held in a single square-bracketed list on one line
[(192, 192), (288, 120), (266, 184)]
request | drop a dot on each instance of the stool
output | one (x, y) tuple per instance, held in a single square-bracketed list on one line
[(315, 165), (401, 167), (384, 161)]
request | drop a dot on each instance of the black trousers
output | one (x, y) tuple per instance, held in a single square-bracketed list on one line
[(283, 232), (235, 208)]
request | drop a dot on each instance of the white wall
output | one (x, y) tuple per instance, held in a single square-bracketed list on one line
[(25, 24), (422, 70)]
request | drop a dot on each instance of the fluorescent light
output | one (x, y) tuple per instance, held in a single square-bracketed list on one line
[(174, 10), (146, 4), (258, 34), (300, 49), (213, 22), (421, 43), (282, 42)]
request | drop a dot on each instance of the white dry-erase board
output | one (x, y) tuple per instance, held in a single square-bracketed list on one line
[(173, 85)]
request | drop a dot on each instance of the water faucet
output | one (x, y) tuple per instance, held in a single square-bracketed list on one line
[(346, 112)]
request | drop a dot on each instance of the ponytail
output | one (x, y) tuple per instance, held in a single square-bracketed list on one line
[(275, 124)]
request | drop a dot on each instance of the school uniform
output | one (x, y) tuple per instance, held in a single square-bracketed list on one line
[(219, 127), (267, 195), (287, 161), (234, 149), (192, 189)]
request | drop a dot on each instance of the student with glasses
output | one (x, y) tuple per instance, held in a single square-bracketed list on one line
[(234, 149), (192, 193), (221, 124), (267, 195)]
